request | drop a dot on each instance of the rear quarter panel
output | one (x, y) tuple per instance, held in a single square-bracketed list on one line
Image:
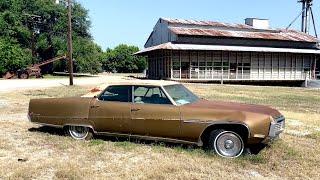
[(60, 111)]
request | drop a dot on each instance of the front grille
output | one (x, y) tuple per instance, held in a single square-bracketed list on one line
[(277, 126)]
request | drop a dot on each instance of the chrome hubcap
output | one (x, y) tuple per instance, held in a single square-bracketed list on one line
[(228, 144), (78, 132)]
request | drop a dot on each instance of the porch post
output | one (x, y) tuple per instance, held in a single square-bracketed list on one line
[(180, 63), (171, 65), (221, 67), (314, 67)]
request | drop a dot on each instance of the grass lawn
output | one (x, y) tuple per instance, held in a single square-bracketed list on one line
[(30, 152)]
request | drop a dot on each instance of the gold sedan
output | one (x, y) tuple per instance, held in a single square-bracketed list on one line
[(161, 110)]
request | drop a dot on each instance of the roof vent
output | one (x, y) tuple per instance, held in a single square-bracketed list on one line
[(257, 23)]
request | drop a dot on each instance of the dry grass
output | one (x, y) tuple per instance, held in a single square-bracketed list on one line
[(30, 152)]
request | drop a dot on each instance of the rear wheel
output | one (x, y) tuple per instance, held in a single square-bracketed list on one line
[(79, 132), (226, 143)]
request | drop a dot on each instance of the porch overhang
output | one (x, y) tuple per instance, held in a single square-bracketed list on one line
[(199, 47)]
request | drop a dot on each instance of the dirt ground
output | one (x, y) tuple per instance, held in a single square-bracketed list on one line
[(29, 151), (58, 81)]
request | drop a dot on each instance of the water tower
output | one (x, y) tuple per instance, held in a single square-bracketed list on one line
[(307, 15)]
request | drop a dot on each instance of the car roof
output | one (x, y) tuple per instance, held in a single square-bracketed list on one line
[(143, 82)]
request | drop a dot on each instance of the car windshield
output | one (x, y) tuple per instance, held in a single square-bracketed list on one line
[(180, 94)]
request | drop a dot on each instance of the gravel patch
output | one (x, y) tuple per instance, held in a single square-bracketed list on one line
[(13, 117), (255, 174), (294, 122), (3, 103), (298, 133)]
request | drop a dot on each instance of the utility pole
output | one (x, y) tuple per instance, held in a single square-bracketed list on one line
[(70, 64)]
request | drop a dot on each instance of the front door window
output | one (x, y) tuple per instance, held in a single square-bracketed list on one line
[(149, 95)]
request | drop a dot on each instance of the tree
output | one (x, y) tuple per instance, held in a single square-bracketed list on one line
[(88, 56), (40, 27), (12, 56), (121, 59)]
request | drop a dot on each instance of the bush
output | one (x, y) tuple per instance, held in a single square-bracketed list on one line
[(122, 60), (12, 56)]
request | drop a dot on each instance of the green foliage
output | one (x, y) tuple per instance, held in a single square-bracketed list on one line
[(121, 59), (88, 56), (37, 31), (12, 56), (40, 26)]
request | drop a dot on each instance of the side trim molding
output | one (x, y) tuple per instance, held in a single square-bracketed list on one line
[(152, 138)]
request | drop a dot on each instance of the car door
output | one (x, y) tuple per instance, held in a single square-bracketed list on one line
[(110, 112), (153, 114)]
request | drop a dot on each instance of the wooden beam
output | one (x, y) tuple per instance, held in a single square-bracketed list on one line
[(198, 65), (271, 65), (171, 64), (278, 65), (190, 62), (250, 65), (285, 65), (180, 63), (222, 67), (264, 65), (212, 65), (296, 67), (237, 62), (314, 67), (229, 64)]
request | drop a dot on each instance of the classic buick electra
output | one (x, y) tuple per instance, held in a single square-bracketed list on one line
[(161, 110)]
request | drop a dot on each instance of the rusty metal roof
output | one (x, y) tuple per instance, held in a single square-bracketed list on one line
[(283, 35), (206, 23), (172, 46)]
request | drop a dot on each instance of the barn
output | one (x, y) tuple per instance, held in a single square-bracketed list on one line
[(190, 50)]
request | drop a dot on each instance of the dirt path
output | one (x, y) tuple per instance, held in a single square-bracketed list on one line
[(24, 84)]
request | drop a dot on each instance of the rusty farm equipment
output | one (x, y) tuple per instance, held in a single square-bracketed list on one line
[(33, 70)]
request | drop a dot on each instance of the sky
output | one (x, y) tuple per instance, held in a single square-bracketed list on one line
[(130, 22)]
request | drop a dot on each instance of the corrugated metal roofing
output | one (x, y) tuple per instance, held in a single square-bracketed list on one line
[(171, 46), (219, 29), (206, 23), (283, 35)]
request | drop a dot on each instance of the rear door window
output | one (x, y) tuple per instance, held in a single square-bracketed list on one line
[(117, 94)]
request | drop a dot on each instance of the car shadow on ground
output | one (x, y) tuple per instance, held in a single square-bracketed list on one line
[(50, 130), (61, 132), (186, 147)]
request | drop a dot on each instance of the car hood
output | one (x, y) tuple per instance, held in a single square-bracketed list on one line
[(236, 107)]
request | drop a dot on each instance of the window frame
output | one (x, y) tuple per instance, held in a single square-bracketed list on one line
[(162, 90)]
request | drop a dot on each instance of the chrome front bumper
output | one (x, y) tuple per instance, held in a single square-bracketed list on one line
[(277, 127)]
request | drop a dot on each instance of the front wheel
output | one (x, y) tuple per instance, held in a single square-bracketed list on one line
[(79, 132), (226, 143)]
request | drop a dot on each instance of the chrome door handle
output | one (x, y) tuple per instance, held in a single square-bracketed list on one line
[(94, 106), (135, 109)]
